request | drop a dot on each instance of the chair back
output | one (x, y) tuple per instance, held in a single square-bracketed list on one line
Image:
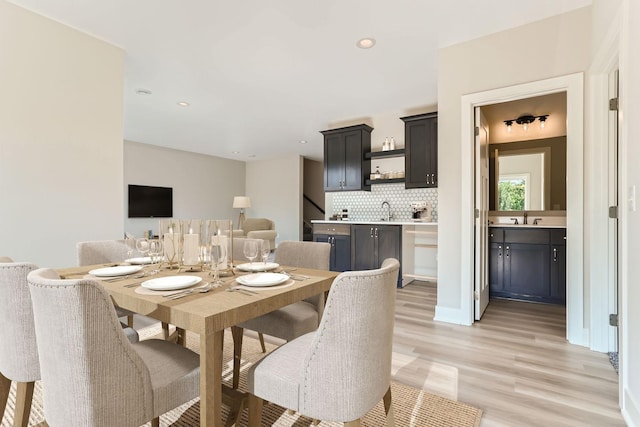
[(238, 248), (348, 367), (91, 375), (316, 255), (101, 251), (18, 352)]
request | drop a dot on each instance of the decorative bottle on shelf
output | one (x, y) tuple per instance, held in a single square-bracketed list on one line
[(385, 145), (392, 144)]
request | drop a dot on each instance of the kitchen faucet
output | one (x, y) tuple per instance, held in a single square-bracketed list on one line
[(524, 221), (388, 211)]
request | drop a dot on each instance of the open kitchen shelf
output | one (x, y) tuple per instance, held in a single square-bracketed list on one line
[(384, 154)]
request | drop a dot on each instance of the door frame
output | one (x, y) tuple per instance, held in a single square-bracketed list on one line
[(572, 84)]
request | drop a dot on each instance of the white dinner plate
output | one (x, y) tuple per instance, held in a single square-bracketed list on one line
[(262, 279), (258, 266), (121, 270), (170, 283), (139, 261)]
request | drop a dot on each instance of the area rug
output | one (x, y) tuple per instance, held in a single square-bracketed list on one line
[(412, 407)]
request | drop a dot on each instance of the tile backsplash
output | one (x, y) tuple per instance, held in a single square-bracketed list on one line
[(367, 206)]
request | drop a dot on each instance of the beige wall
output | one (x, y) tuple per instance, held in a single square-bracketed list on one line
[(203, 186), (562, 46), (60, 138), (275, 189)]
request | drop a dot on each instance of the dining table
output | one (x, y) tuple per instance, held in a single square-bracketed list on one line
[(207, 314)]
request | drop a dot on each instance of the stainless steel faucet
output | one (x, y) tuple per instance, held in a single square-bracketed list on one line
[(388, 210), (524, 221)]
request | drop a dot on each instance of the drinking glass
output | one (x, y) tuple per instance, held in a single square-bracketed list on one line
[(131, 246), (250, 250), (216, 255), (265, 251), (156, 253), (142, 245)]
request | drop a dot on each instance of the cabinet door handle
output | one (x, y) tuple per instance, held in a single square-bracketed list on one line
[(376, 232), (507, 251), (499, 251), (555, 254), (433, 178), (371, 235)]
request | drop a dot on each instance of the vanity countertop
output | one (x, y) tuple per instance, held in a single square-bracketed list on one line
[(525, 226), (405, 222)]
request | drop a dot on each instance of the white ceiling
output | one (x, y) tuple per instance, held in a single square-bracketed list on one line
[(261, 76)]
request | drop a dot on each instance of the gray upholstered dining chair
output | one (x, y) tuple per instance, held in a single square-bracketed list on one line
[(238, 248), (91, 374), (341, 371), (101, 252), (295, 319), (18, 353)]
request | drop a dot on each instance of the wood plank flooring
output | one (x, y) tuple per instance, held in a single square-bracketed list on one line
[(515, 364)]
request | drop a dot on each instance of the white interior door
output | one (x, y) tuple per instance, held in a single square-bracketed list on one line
[(481, 293)]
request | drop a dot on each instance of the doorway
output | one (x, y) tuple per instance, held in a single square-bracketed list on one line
[(520, 169), (573, 86)]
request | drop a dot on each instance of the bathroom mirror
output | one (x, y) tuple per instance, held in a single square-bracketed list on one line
[(528, 175)]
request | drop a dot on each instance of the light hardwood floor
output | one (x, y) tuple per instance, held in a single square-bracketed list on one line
[(514, 364)]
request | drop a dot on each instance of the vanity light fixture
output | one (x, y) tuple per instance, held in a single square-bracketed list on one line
[(525, 121), (366, 43)]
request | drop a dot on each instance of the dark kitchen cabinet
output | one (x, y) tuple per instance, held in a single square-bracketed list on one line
[(339, 237), (372, 244), (526, 264), (345, 168), (421, 150)]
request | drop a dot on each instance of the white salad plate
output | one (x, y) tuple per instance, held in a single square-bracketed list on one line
[(262, 279), (170, 283), (121, 270), (139, 261), (258, 266)]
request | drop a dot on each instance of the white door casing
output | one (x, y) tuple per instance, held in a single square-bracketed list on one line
[(572, 84)]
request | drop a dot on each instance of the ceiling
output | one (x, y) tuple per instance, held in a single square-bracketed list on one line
[(261, 76)]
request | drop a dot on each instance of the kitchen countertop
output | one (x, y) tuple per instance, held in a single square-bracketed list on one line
[(319, 221)]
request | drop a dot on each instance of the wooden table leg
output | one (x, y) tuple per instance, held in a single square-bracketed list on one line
[(211, 347)]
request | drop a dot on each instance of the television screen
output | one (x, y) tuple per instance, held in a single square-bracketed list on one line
[(150, 202)]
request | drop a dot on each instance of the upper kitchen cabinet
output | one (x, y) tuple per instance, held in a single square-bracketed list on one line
[(345, 168), (421, 150)]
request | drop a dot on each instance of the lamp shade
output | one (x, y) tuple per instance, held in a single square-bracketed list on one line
[(241, 202)]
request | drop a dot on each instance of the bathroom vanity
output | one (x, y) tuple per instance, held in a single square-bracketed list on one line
[(528, 263)]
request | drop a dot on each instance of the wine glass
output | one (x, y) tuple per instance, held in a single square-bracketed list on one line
[(130, 241), (142, 245), (250, 250), (156, 253), (265, 251)]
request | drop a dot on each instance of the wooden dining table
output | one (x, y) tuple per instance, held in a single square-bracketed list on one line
[(208, 314)]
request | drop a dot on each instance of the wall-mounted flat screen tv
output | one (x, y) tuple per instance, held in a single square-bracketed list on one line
[(150, 202)]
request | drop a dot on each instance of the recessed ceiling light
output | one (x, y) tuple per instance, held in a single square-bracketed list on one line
[(183, 104), (235, 152), (303, 141), (143, 91), (366, 43)]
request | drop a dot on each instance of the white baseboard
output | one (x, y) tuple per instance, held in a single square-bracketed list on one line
[(452, 315), (630, 410)]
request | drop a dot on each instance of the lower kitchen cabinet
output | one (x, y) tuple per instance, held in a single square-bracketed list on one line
[(339, 237), (372, 244), (528, 264), (340, 250)]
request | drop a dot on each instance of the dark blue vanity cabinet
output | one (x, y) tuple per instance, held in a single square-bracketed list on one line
[(528, 263)]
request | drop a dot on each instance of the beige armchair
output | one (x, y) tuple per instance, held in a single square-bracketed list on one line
[(259, 228)]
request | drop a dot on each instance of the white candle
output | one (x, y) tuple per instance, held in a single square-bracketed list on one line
[(191, 249)]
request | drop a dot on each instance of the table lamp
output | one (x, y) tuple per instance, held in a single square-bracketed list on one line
[(241, 202)]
